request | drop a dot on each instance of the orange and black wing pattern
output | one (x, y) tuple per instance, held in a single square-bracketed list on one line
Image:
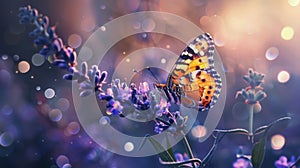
[(193, 80)]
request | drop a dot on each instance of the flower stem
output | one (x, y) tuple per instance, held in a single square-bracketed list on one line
[(251, 116), (188, 147)]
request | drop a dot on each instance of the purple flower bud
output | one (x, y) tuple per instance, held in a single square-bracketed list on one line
[(68, 77), (115, 111), (51, 32), (41, 40), (103, 76), (179, 157), (260, 95), (57, 44), (34, 13), (45, 21), (86, 86), (72, 69), (97, 79), (84, 68), (63, 65), (102, 96), (73, 57), (45, 51)]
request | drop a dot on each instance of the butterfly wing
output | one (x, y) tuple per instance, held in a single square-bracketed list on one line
[(193, 78)]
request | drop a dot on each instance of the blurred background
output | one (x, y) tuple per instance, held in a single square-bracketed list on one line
[(38, 125)]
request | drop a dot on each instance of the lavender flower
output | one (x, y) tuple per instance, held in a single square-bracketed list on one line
[(182, 157), (282, 162), (252, 94), (45, 37), (242, 163)]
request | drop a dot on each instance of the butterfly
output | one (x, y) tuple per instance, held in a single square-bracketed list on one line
[(193, 80)]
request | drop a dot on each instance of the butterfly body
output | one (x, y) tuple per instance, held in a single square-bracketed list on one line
[(193, 80)]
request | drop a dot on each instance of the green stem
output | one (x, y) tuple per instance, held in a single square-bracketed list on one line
[(251, 116), (189, 149)]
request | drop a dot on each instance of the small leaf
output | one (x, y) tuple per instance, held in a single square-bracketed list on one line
[(170, 150), (258, 153), (261, 130), (234, 131), (164, 154), (265, 128), (143, 142)]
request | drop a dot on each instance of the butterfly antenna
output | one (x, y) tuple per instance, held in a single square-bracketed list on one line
[(149, 69)]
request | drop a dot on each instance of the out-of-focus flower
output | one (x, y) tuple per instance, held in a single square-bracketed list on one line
[(46, 38), (242, 163), (282, 162), (182, 157)]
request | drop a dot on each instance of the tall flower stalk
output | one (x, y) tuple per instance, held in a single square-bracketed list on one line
[(252, 94)]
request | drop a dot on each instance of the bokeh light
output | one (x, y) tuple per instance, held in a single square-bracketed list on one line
[(103, 28), (88, 24), (128, 146), (16, 57), (5, 75), (38, 88), (73, 128), (294, 2), (104, 120), (55, 115), (148, 25), (272, 53), (74, 40), (63, 104), (86, 53), (23, 66), (163, 61), (37, 59), (4, 57), (67, 165), (199, 131), (277, 141), (283, 77), (49, 93), (6, 139), (62, 160), (287, 33)]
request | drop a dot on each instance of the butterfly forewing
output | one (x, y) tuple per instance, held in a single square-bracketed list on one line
[(193, 78)]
